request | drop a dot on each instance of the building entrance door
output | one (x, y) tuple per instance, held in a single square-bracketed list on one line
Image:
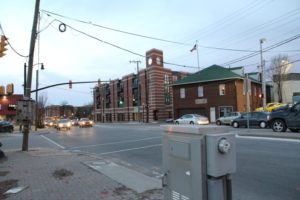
[(212, 114)]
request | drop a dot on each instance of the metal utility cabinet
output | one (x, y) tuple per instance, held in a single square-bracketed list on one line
[(198, 162)]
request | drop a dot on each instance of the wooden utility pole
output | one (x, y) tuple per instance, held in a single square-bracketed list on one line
[(29, 74)]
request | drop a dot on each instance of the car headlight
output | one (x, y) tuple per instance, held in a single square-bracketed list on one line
[(69, 124)]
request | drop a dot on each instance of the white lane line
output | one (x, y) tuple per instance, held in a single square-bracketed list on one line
[(112, 143), (51, 141), (132, 149), (267, 138)]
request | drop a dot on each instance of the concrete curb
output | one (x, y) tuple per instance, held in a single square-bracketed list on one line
[(295, 136)]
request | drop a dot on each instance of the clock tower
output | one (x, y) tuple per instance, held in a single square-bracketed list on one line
[(154, 57)]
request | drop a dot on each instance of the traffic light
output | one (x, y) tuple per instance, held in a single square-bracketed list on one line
[(10, 89), (70, 84), (3, 43)]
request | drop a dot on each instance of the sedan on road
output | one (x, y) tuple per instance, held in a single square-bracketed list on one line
[(64, 124), (260, 119), (192, 119), (85, 122)]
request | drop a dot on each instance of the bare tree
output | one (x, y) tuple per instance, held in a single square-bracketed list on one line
[(42, 101), (63, 108), (85, 110), (277, 71)]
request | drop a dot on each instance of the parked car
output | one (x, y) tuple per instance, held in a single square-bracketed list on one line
[(228, 118), (64, 124), (260, 119), (169, 120), (6, 126), (286, 119), (192, 119), (286, 107), (271, 106), (85, 122)]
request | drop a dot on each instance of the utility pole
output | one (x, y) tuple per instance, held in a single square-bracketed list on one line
[(29, 74), (248, 89), (138, 85), (261, 41)]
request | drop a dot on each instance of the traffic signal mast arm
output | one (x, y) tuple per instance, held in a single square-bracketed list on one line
[(66, 83)]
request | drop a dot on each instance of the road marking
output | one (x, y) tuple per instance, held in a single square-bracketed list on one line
[(112, 143), (132, 149), (267, 138), (51, 141)]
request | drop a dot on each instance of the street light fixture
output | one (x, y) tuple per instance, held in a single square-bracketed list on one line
[(138, 86), (262, 64), (36, 95)]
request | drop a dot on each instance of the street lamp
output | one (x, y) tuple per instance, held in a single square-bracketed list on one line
[(36, 87), (36, 94), (262, 64), (138, 87)]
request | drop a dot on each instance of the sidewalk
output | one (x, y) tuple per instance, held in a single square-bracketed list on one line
[(52, 174)]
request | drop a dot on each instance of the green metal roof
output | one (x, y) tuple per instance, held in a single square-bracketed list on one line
[(212, 73)]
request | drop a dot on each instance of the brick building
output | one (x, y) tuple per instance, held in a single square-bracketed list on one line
[(145, 96), (59, 111), (215, 91), (8, 105)]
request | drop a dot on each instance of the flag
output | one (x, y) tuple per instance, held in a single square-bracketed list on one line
[(194, 48)]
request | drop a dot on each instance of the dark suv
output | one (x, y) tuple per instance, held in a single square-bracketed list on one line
[(283, 119)]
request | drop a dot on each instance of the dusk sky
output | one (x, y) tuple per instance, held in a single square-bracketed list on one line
[(87, 51)]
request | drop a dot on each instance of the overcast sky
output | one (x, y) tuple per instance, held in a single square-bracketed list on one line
[(86, 51)]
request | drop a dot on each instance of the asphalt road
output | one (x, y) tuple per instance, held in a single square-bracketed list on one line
[(266, 168)]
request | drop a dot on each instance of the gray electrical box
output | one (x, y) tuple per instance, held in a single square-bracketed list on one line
[(190, 154), (25, 110), (220, 163)]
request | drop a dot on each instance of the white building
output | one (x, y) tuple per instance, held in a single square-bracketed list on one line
[(290, 84)]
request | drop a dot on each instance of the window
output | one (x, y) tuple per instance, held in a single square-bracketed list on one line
[(182, 93), (224, 110), (200, 91), (167, 89), (222, 89)]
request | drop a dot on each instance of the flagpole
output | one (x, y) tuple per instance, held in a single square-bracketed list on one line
[(197, 54)]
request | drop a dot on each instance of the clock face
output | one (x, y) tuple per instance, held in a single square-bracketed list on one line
[(149, 61), (158, 61)]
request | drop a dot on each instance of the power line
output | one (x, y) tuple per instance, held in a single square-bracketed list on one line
[(264, 50), (9, 44), (117, 30), (119, 47), (282, 65), (139, 35)]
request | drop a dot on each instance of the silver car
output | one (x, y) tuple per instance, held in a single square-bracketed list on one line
[(228, 118), (192, 119), (64, 124)]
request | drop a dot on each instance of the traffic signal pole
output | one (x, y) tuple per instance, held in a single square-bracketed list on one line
[(29, 74)]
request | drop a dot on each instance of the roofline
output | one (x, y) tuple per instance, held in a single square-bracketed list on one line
[(208, 81), (241, 78)]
